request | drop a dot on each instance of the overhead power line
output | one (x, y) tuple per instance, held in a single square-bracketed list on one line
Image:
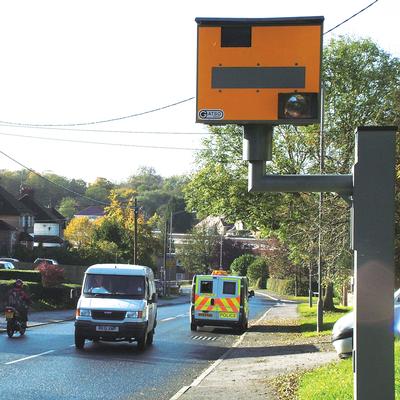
[(107, 130), (101, 121), (53, 183), (354, 15), (100, 143)]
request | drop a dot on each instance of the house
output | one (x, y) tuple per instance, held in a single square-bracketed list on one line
[(49, 225), (16, 223), (217, 223), (224, 228), (91, 212)]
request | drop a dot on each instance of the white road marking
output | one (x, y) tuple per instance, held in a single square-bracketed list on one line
[(28, 358), (171, 318), (215, 364), (273, 298)]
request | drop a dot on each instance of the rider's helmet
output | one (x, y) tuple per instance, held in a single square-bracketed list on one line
[(19, 283)]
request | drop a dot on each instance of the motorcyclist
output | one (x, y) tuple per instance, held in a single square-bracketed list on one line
[(20, 300)]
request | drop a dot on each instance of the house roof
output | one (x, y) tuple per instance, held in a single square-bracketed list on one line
[(57, 214), (6, 227), (42, 214), (91, 210), (9, 205)]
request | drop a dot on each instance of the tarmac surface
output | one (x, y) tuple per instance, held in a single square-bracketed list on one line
[(268, 349)]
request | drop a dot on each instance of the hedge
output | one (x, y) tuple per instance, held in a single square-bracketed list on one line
[(281, 286), (58, 296), (287, 286), (25, 275)]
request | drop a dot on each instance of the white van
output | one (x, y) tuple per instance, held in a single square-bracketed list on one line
[(118, 303)]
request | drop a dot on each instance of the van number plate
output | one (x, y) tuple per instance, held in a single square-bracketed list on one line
[(107, 328), (203, 314), (230, 315)]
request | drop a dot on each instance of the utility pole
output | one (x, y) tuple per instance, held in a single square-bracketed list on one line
[(220, 251), (164, 267), (320, 306), (135, 237)]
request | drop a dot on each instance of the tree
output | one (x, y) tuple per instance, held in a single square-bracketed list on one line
[(145, 179), (68, 207), (200, 252), (258, 273), (100, 189), (118, 225), (241, 264), (79, 232)]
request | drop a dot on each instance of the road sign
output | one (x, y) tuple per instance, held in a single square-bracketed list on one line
[(259, 70)]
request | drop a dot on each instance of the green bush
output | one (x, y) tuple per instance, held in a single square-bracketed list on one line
[(257, 273), (240, 265), (57, 297), (25, 275)]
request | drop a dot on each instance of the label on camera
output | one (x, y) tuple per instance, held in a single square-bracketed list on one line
[(209, 115)]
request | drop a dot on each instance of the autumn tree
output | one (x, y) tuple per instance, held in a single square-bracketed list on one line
[(79, 232)]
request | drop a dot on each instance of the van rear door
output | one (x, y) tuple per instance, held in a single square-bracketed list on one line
[(227, 301), (205, 292)]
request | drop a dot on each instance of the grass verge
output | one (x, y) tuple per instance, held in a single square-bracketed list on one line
[(308, 320), (322, 383)]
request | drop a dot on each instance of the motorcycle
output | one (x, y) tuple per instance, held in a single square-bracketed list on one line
[(14, 322)]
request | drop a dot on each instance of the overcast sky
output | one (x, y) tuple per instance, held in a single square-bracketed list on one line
[(75, 62)]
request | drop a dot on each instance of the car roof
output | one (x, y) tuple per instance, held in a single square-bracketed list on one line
[(120, 269)]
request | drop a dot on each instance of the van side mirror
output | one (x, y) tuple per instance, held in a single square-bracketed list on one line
[(251, 293), (154, 298), (73, 294)]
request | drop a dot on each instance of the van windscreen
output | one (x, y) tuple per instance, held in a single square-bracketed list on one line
[(128, 286)]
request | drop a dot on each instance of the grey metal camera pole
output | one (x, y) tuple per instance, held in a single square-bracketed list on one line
[(372, 189), (373, 243)]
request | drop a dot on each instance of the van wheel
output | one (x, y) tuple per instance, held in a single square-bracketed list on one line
[(193, 327), (79, 341), (243, 327), (150, 337), (141, 342)]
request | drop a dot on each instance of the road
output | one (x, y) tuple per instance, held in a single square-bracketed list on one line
[(45, 365)]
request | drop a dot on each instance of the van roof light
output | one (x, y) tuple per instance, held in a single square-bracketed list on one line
[(219, 272)]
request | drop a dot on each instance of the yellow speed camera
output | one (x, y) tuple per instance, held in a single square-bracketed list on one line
[(259, 70)]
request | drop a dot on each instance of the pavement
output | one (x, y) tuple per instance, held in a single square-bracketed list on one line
[(36, 318), (270, 348)]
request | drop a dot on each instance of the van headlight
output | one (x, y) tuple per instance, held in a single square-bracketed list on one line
[(83, 312), (134, 314)]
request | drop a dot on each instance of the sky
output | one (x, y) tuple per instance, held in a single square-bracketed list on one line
[(72, 62)]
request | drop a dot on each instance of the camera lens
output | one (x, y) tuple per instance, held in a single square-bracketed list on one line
[(297, 107)]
